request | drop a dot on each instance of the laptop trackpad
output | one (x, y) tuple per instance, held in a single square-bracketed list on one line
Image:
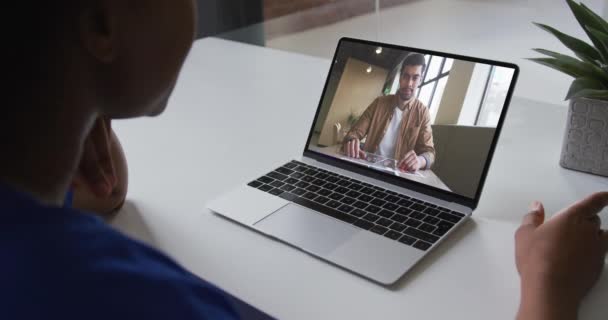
[(307, 229)]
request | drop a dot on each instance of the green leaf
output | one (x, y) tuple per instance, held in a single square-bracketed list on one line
[(581, 84), (582, 49), (557, 55), (575, 68), (599, 20), (559, 66), (587, 20), (591, 94), (601, 37)]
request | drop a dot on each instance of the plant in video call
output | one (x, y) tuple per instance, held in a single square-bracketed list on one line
[(352, 118), (590, 70)]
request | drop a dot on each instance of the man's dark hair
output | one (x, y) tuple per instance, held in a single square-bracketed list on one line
[(413, 59)]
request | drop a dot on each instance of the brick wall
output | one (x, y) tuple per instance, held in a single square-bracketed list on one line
[(307, 14), (278, 8)]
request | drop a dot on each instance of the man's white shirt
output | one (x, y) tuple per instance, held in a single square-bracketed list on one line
[(389, 141)]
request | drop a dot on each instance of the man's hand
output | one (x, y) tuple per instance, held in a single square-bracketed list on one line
[(560, 260), (353, 149), (411, 162)]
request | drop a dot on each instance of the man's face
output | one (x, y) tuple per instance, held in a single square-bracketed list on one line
[(409, 82)]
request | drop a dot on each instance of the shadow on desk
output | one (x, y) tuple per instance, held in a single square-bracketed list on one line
[(448, 243), (247, 312), (130, 221), (594, 306)]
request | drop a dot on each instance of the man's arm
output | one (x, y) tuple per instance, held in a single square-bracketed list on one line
[(425, 147), (352, 140), (423, 155), (359, 130)]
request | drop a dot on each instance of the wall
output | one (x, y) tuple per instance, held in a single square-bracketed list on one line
[(219, 16), (286, 17), (455, 92), (332, 86), (356, 91), (470, 107), (277, 8), (461, 155), (328, 99)]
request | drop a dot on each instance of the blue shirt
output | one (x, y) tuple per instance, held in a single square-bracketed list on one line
[(59, 263)]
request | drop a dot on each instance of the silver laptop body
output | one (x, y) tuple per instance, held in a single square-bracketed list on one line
[(408, 217)]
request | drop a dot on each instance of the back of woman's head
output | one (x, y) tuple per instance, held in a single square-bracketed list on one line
[(34, 35)]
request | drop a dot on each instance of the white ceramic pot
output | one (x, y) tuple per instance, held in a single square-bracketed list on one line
[(585, 145)]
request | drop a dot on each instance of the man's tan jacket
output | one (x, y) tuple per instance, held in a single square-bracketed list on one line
[(415, 132)]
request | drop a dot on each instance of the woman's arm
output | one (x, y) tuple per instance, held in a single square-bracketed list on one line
[(559, 260)]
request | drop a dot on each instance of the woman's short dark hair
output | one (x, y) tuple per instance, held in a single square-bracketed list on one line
[(34, 35)]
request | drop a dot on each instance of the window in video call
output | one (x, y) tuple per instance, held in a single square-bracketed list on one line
[(427, 118)]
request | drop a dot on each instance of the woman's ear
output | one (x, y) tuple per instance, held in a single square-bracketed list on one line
[(98, 30)]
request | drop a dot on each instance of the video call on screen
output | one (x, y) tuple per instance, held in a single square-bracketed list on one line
[(427, 118)]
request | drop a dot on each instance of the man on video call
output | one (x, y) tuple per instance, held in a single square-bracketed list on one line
[(397, 126)]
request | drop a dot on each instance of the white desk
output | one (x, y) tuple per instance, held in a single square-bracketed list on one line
[(526, 165), (222, 128)]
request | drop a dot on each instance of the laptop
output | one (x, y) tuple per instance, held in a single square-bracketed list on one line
[(395, 160)]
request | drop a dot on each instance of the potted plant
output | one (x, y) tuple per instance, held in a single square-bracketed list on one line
[(352, 119), (341, 131), (585, 146)]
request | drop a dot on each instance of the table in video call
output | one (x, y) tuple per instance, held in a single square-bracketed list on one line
[(427, 177)]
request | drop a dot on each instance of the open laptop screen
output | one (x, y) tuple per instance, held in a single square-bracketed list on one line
[(427, 117)]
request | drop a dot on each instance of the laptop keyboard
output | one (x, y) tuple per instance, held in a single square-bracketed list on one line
[(395, 216)]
